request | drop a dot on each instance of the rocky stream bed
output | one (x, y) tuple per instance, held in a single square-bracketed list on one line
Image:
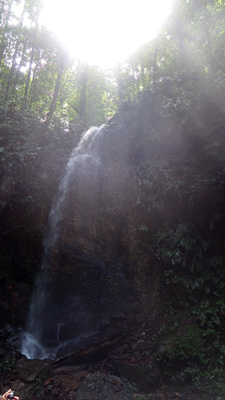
[(118, 367)]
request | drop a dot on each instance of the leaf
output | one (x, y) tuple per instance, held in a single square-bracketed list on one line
[(207, 289), (202, 318)]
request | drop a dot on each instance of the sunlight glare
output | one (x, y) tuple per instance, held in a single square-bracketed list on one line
[(102, 32)]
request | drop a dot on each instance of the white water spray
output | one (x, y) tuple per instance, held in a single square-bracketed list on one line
[(86, 153)]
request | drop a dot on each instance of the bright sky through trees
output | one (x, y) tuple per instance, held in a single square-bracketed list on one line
[(104, 32)]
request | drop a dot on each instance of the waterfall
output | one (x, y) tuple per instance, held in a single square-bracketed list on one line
[(86, 153)]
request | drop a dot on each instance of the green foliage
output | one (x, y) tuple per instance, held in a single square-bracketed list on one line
[(187, 52), (31, 58), (7, 365), (38, 385), (195, 281), (186, 355), (182, 348)]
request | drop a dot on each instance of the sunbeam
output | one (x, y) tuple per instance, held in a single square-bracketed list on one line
[(101, 32)]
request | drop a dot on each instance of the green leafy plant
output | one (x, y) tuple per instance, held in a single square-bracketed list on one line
[(7, 365)]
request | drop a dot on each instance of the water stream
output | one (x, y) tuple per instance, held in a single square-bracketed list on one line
[(86, 153)]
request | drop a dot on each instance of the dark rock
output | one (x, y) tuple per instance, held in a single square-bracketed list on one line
[(104, 387), (30, 370), (2, 352), (57, 383), (8, 329), (49, 387), (146, 377)]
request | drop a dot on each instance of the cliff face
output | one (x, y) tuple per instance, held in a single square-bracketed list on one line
[(104, 269), (101, 274), (140, 201)]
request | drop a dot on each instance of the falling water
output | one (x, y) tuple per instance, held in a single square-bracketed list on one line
[(85, 152)]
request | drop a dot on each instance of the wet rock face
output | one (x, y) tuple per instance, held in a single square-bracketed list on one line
[(87, 298), (90, 284), (95, 268)]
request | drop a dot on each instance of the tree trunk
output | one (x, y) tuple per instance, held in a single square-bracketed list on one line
[(28, 77), (14, 59), (33, 83), (15, 83), (208, 41), (2, 5), (83, 102), (181, 45), (27, 86), (155, 68), (55, 95), (4, 29)]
